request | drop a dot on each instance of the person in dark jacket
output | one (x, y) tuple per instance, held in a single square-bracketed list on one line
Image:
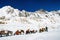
[(46, 29)]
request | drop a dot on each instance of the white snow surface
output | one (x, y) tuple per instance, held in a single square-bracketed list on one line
[(15, 20), (51, 35)]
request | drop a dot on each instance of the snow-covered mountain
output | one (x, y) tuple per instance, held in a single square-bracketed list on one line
[(14, 19)]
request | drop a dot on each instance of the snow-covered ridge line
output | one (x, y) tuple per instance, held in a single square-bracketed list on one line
[(15, 12)]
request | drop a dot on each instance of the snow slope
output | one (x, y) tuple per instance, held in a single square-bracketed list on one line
[(51, 35), (14, 19)]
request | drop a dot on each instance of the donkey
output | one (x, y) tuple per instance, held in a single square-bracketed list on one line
[(43, 29), (33, 31), (9, 33), (2, 33), (27, 31), (5, 33), (30, 31), (19, 32)]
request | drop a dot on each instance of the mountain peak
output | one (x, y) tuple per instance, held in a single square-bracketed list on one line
[(7, 7)]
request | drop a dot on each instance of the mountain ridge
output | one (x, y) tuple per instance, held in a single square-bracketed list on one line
[(16, 19)]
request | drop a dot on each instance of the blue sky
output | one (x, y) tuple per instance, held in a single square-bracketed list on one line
[(32, 5)]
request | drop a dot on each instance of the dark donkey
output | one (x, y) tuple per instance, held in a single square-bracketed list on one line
[(27, 31), (30, 31), (33, 31)]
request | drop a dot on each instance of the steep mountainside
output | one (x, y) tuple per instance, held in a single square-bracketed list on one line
[(16, 19)]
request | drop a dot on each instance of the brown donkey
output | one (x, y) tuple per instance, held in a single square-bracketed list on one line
[(43, 29), (19, 32)]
